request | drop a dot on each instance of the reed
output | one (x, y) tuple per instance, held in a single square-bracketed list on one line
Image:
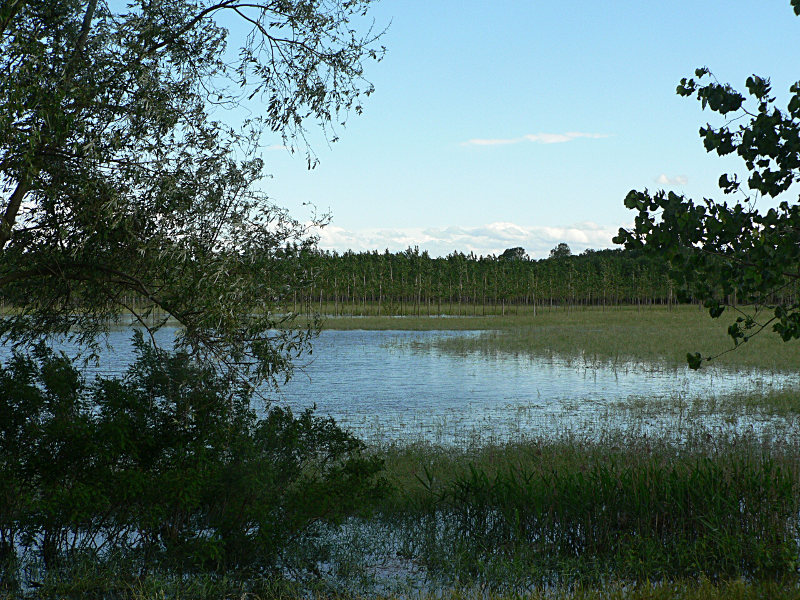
[(574, 511)]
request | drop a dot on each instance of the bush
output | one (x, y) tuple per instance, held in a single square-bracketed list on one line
[(169, 469)]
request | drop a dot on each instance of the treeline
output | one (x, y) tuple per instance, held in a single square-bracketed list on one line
[(412, 282)]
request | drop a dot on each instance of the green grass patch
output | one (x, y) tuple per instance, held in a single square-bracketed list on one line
[(618, 335)]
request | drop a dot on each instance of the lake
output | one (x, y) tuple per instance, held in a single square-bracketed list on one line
[(397, 385)]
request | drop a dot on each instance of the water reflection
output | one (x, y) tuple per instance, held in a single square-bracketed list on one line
[(396, 385), (392, 384)]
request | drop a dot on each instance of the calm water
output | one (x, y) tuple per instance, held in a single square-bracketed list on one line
[(393, 385)]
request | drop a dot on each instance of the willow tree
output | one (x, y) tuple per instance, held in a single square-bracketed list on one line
[(735, 253), (129, 179)]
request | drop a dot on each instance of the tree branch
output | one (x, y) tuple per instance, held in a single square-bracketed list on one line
[(86, 25), (10, 215), (32, 170), (77, 272), (10, 10), (196, 19)]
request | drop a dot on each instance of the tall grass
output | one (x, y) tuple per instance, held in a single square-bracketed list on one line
[(561, 512)]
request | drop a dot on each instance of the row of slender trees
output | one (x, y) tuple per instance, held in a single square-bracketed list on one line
[(413, 282)]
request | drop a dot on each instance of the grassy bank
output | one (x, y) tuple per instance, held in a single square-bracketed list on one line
[(645, 334)]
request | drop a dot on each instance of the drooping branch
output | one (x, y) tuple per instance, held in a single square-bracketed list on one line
[(84, 272)]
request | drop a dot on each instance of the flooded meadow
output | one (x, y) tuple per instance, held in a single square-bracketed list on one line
[(444, 387), (522, 471)]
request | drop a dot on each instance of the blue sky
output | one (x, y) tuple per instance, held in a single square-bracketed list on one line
[(525, 123)]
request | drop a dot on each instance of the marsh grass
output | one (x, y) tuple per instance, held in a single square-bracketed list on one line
[(684, 589), (550, 513), (573, 516), (778, 407), (595, 336)]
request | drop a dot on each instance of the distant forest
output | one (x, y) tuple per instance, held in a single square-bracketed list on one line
[(413, 283)]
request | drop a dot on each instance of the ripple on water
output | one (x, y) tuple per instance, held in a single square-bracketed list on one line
[(393, 385)]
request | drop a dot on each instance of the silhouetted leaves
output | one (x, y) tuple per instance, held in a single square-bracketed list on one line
[(730, 255)]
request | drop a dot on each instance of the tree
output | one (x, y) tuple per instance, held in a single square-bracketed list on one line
[(560, 251), (517, 253), (121, 189), (727, 254)]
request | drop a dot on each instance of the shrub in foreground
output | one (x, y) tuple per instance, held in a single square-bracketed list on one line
[(167, 470)]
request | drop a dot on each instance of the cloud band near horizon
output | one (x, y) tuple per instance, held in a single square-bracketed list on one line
[(484, 240), (538, 138)]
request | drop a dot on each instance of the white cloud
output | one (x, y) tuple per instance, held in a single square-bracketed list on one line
[(560, 138), (491, 238), (677, 180), (538, 138)]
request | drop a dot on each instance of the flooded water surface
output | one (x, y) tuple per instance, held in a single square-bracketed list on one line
[(397, 385)]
